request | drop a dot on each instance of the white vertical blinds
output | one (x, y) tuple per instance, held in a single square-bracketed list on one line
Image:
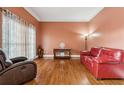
[(18, 37)]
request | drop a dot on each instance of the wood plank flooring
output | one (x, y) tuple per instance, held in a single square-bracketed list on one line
[(66, 72)]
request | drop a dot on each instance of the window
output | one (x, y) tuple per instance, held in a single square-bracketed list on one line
[(18, 37)]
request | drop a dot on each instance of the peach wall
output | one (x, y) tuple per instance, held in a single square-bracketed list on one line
[(109, 23), (26, 16), (52, 33)]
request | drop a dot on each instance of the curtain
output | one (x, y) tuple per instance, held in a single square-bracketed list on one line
[(31, 42), (18, 36)]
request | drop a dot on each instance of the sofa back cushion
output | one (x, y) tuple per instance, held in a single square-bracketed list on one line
[(95, 51), (110, 55)]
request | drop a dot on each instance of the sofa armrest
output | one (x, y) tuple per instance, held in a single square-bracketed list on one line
[(85, 53), (18, 59)]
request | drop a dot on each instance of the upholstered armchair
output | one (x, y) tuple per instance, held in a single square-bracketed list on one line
[(16, 70)]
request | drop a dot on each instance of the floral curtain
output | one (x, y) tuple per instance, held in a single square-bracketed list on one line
[(18, 36)]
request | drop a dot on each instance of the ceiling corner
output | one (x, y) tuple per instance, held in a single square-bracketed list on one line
[(29, 10), (97, 12)]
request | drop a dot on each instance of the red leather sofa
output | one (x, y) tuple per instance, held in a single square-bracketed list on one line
[(104, 63)]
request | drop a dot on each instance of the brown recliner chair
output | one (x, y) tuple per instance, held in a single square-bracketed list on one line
[(16, 70)]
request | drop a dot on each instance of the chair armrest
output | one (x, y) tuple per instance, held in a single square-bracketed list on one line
[(85, 53), (18, 59), (16, 65), (18, 73)]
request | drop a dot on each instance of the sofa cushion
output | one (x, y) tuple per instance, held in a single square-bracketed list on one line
[(95, 51), (110, 55)]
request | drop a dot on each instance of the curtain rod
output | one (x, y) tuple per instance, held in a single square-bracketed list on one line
[(6, 10), (2, 9)]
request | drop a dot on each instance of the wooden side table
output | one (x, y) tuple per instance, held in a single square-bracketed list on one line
[(62, 53)]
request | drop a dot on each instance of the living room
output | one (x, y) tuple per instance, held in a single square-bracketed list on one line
[(65, 33), (37, 33), (44, 36)]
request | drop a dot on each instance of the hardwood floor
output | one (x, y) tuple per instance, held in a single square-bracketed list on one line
[(66, 72)]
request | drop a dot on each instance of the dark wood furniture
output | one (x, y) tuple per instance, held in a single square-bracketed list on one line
[(62, 53), (40, 52)]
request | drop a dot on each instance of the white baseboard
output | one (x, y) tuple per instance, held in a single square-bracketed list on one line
[(48, 56), (73, 56)]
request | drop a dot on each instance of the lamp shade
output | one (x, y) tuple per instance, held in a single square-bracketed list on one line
[(62, 45)]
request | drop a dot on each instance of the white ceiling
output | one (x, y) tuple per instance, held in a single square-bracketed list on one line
[(64, 14)]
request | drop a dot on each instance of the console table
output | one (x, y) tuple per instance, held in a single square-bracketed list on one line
[(62, 53)]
